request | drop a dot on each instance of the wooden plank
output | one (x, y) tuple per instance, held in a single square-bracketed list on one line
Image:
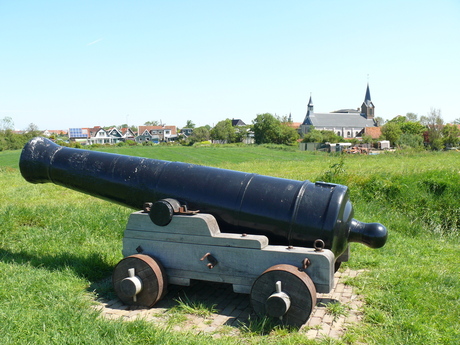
[(226, 240), (199, 228), (201, 224)]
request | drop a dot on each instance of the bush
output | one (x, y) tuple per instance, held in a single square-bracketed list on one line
[(410, 140), (429, 198)]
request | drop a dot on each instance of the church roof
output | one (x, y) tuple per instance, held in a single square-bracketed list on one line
[(345, 111), (339, 120)]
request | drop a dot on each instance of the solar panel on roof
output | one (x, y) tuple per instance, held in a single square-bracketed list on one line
[(76, 132)]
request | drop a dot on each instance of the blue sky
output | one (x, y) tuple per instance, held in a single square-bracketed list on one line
[(87, 63)]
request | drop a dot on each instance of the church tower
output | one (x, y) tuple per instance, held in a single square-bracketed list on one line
[(367, 108), (309, 111)]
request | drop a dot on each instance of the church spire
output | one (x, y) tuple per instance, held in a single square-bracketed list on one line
[(310, 105), (367, 98)]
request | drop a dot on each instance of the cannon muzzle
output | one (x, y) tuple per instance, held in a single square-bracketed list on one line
[(288, 212)]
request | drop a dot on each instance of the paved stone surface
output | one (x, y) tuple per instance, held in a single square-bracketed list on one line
[(232, 310)]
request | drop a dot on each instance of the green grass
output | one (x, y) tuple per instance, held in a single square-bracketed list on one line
[(189, 306), (337, 310), (57, 246)]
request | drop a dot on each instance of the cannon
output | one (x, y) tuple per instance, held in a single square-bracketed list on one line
[(279, 240)]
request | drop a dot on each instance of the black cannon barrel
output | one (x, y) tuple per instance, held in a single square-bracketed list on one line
[(288, 212)]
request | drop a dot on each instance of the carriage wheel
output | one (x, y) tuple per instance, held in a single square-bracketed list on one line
[(139, 280), (285, 292)]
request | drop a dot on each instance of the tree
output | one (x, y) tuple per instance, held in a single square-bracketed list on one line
[(266, 128), (6, 124), (409, 140), (269, 129), (289, 135), (451, 134), (32, 130), (379, 120), (411, 127), (189, 124), (224, 132), (152, 123), (367, 139), (402, 130), (331, 137), (457, 121), (398, 119), (391, 131), (313, 136), (411, 117), (8, 139), (200, 134), (434, 123)]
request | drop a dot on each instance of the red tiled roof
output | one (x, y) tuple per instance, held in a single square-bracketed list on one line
[(374, 132), (142, 129), (57, 131), (294, 125)]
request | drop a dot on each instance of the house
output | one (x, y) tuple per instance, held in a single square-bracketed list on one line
[(98, 135), (156, 134), (237, 122), (127, 133), (80, 135), (50, 132), (186, 132), (347, 123)]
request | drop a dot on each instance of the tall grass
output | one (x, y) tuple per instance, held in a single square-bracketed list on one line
[(56, 245)]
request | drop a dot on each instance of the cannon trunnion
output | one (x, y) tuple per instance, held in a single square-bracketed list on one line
[(274, 238)]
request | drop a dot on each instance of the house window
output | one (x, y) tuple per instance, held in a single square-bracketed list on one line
[(348, 134), (338, 133), (167, 132)]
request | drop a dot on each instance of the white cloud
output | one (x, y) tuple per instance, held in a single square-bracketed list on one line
[(94, 42)]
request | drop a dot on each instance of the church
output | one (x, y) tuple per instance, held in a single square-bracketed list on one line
[(347, 123)]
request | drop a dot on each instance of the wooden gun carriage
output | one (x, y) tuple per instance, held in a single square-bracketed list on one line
[(276, 239)]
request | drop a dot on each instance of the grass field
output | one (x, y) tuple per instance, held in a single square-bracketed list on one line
[(56, 245)]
